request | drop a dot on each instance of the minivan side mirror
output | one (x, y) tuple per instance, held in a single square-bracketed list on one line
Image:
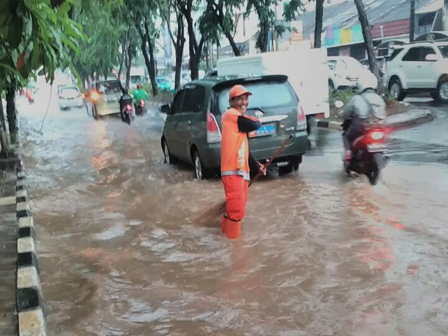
[(165, 109), (431, 58)]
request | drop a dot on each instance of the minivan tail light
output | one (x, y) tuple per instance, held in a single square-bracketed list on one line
[(301, 119), (213, 131)]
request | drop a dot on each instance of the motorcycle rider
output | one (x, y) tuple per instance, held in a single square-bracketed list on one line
[(363, 111), (140, 94), (125, 99)]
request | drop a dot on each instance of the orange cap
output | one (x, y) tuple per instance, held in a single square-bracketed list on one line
[(238, 90)]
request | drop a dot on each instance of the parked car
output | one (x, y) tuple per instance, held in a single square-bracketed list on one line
[(381, 61), (419, 68), (70, 96), (345, 72), (105, 98), (164, 84), (212, 73), (192, 131), (185, 78)]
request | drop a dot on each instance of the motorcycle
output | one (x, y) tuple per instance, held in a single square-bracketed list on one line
[(126, 109), (368, 153), (140, 108)]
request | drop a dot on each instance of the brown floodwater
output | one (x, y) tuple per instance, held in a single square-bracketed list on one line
[(320, 253)]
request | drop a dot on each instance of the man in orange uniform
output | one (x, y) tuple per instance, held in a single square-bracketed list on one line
[(236, 161)]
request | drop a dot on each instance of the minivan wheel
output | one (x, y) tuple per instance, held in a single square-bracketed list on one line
[(285, 170), (168, 159), (200, 172), (396, 90), (442, 91), (295, 163)]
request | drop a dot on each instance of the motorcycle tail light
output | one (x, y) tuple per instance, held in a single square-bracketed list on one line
[(213, 131), (128, 107), (301, 118), (94, 96), (377, 135)]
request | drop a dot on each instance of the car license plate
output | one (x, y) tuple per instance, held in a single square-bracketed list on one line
[(264, 130)]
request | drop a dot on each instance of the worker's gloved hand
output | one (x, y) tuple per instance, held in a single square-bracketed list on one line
[(263, 169), (252, 118)]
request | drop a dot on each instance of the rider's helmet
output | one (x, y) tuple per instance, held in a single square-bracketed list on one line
[(367, 81), (139, 86)]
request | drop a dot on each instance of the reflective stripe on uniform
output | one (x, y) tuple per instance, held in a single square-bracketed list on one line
[(245, 175)]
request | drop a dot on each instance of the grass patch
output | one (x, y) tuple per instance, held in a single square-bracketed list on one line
[(343, 96)]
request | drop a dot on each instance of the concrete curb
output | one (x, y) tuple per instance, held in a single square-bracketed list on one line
[(31, 318), (334, 125), (420, 119)]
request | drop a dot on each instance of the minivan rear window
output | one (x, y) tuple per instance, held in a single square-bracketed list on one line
[(70, 93), (108, 87), (264, 95)]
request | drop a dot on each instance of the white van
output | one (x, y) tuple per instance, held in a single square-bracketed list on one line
[(306, 69)]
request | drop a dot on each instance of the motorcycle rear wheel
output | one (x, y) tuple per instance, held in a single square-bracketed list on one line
[(374, 174)]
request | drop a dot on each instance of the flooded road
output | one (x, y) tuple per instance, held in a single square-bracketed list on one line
[(320, 253)]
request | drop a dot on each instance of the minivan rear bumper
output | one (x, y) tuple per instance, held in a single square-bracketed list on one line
[(211, 153)]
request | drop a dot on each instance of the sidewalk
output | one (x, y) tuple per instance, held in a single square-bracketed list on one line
[(21, 312), (8, 253)]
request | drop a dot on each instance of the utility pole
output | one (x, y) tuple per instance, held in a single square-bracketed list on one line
[(412, 22)]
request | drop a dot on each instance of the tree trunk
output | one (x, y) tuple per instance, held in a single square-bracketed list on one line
[(412, 22), (11, 113), (194, 48), (3, 136), (219, 15), (179, 56), (235, 49), (120, 69), (152, 70), (150, 65), (319, 23), (128, 65), (369, 43), (207, 56), (445, 15), (264, 37), (179, 47), (194, 69)]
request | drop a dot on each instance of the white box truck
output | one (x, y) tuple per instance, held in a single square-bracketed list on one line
[(306, 69)]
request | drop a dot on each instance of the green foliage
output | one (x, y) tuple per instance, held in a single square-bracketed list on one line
[(101, 47), (218, 18), (267, 18), (41, 35)]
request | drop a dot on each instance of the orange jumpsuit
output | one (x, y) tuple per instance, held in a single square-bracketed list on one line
[(236, 163)]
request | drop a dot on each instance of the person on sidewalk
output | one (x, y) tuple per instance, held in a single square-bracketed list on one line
[(362, 112), (236, 161)]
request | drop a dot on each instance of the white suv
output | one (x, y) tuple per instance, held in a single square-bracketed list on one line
[(344, 72), (417, 68)]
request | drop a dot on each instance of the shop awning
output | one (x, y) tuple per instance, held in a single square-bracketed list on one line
[(431, 8)]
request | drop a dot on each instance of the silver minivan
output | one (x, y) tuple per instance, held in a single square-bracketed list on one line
[(192, 131)]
